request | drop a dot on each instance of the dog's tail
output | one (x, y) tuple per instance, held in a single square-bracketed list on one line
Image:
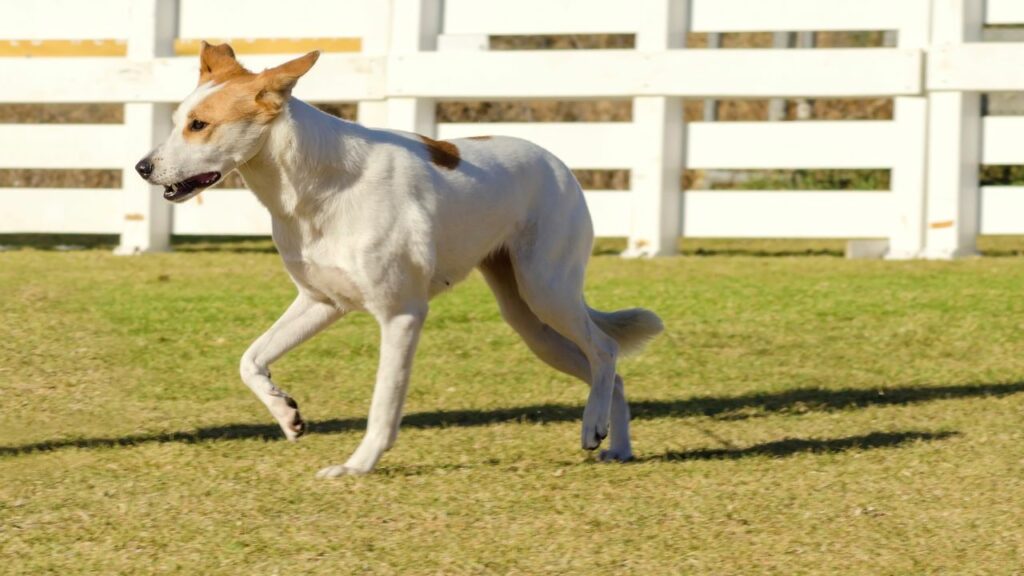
[(630, 328)]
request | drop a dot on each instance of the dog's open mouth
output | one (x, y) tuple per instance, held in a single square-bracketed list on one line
[(190, 187)]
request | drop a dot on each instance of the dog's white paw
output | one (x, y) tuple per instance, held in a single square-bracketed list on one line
[(339, 470), (613, 455), (592, 435), (596, 419), (286, 411)]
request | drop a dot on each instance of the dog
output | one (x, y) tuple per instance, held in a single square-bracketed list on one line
[(382, 221)]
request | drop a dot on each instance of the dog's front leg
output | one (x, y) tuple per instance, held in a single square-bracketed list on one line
[(399, 334), (304, 318)]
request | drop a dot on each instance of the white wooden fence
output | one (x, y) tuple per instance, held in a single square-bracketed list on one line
[(416, 52)]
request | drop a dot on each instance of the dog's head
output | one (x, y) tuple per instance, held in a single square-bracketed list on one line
[(222, 124)]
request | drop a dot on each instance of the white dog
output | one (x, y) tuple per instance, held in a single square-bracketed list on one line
[(383, 221)]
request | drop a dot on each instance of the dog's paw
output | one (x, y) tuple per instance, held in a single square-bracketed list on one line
[(339, 470), (286, 411), (592, 435), (596, 420), (613, 455)]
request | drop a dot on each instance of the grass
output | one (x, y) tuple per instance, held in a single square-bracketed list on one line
[(802, 415)]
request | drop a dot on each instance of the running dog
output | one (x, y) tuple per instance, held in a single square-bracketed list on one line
[(382, 221)]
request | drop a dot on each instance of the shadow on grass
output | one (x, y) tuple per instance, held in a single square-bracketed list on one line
[(107, 242), (794, 446), (797, 401), (225, 244), (58, 242)]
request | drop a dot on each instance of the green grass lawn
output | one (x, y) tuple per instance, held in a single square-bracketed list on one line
[(801, 415)]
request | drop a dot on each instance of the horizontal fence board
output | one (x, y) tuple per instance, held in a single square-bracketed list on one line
[(1004, 12), (83, 80), (566, 74), (611, 212), (526, 17), (627, 73), (769, 145), (272, 19), (825, 214), (797, 15), (578, 144), (222, 212), (61, 211), (1003, 140), (984, 67), (233, 212), (1001, 209), (64, 19), (534, 17), (62, 145)]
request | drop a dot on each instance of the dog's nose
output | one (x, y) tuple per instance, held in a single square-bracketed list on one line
[(144, 168)]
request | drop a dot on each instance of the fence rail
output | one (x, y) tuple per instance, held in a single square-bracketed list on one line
[(397, 58)]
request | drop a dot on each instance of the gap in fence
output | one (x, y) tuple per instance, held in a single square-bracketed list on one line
[(59, 178), (793, 180), (61, 113), (1002, 175), (727, 40)]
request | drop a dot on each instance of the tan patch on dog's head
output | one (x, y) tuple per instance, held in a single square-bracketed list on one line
[(240, 94), (480, 137), (217, 64), (444, 154)]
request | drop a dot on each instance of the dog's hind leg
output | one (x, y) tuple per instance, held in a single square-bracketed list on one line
[(554, 349), (303, 319), (548, 270)]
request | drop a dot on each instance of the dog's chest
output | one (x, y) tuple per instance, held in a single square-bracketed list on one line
[(326, 283)]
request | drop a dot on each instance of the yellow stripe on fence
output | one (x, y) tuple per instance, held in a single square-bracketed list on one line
[(62, 48), (182, 47)]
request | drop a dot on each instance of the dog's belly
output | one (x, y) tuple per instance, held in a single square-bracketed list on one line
[(326, 283)]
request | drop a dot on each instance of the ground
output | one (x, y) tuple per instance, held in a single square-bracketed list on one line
[(801, 415)]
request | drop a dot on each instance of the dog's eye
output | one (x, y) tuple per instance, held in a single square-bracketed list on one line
[(197, 125)]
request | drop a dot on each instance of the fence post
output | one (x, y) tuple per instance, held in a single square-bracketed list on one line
[(152, 27), (954, 148), (415, 26), (660, 134), (377, 41), (910, 114)]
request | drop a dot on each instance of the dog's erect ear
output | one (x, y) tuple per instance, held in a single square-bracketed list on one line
[(217, 60), (277, 82)]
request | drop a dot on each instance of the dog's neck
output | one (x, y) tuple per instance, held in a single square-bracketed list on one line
[(306, 154)]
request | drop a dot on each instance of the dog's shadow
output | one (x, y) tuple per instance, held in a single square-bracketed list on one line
[(794, 446), (796, 401)]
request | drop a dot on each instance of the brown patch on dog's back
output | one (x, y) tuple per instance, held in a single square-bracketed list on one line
[(480, 137), (443, 153)]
